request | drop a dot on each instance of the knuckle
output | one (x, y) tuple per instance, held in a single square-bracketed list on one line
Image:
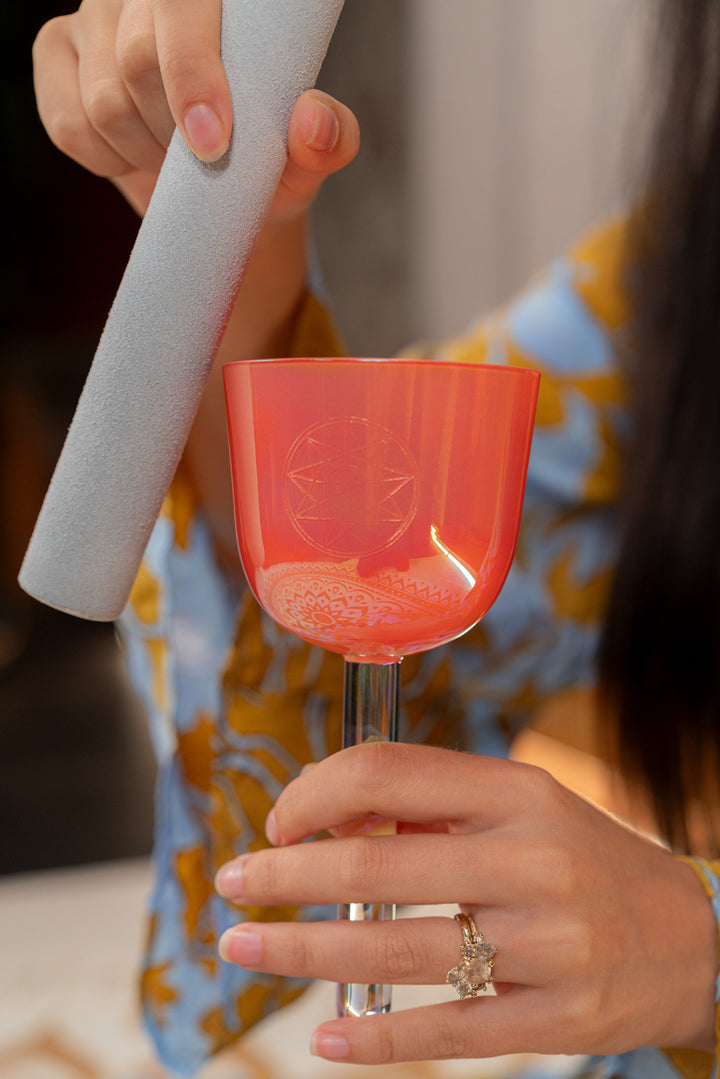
[(539, 786), (364, 860), (383, 766), (63, 124), (449, 1042), (262, 875), (584, 1015), (384, 1045), (553, 869), (299, 954), (47, 36), (182, 67), (579, 941), (106, 103), (559, 871), (136, 57), (65, 130), (399, 959)]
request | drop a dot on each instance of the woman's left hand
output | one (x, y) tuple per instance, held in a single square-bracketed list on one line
[(605, 941)]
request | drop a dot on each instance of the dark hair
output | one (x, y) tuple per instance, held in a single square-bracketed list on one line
[(660, 651)]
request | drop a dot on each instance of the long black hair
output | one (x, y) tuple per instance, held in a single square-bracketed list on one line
[(660, 652)]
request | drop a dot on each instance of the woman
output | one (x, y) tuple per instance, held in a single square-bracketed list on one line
[(606, 942)]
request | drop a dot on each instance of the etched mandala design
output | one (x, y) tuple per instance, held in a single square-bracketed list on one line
[(327, 599), (350, 487)]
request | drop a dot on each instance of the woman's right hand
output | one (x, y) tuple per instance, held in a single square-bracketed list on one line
[(605, 942), (114, 79)]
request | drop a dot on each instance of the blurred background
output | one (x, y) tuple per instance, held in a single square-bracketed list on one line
[(494, 132)]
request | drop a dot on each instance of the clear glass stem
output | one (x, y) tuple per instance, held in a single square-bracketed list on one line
[(370, 714)]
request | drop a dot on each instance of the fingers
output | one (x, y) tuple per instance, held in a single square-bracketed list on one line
[(402, 869), (113, 79), (409, 951), (187, 33), (559, 888), (406, 952), (60, 104), (106, 98), (474, 1028), (408, 783), (137, 60), (323, 137), (407, 869)]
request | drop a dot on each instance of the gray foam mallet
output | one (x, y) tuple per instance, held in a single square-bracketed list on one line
[(162, 333)]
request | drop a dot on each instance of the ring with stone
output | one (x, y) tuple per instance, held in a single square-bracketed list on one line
[(474, 972)]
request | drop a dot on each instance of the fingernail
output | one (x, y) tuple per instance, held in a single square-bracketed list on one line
[(205, 133), (308, 768), (326, 129), (329, 1046), (271, 829), (228, 880), (240, 946)]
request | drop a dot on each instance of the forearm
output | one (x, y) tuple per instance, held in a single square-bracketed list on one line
[(261, 324)]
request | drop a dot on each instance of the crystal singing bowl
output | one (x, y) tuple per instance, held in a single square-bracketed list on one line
[(377, 505)]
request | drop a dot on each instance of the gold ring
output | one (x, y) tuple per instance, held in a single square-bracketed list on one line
[(474, 972)]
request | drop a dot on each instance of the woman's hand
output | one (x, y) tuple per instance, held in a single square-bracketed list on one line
[(114, 79), (605, 941)]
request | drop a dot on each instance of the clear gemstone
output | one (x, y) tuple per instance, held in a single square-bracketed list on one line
[(475, 971), (456, 979)]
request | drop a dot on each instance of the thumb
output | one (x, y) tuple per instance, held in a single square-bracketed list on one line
[(323, 137)]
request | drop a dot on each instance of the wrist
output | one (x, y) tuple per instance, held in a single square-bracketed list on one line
[(262, 320), (700, 1005)]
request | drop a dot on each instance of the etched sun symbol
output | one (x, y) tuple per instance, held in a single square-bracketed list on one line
[(350, 487)]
